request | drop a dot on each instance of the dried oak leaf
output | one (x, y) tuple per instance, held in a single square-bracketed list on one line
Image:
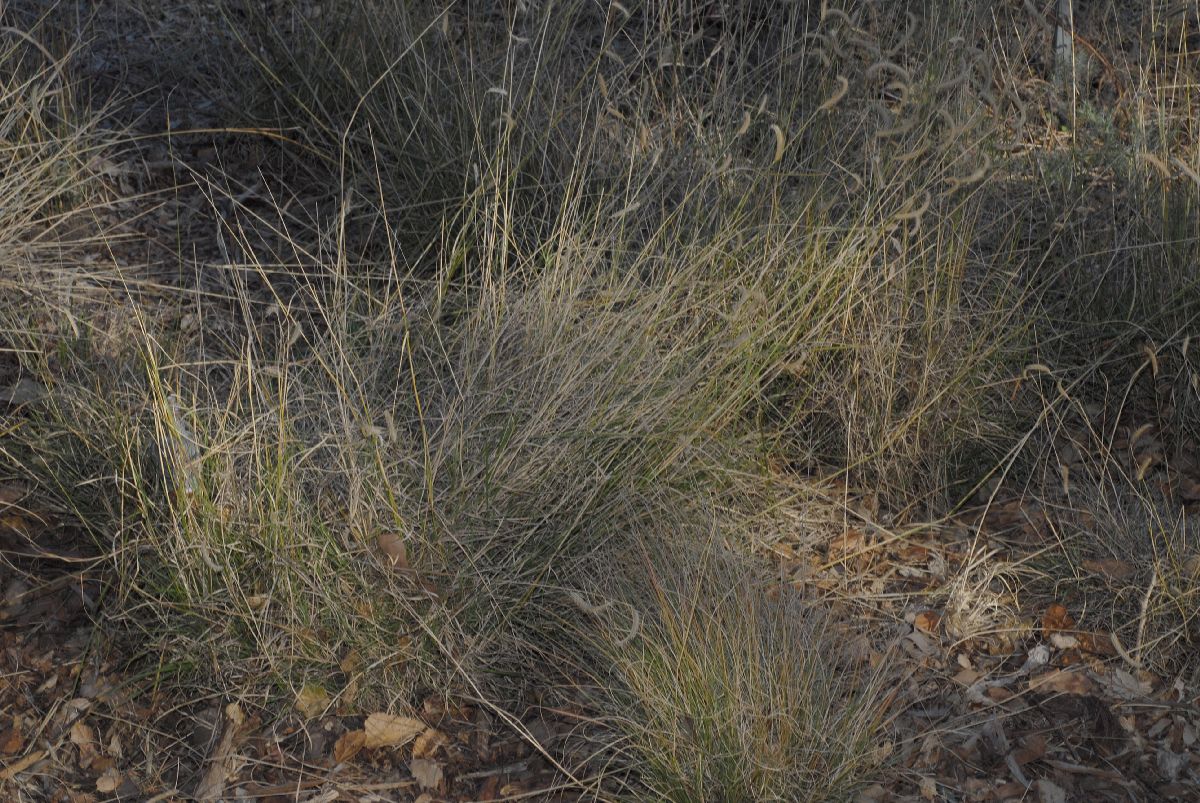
[(395, 553), (429, 742), (312, 700), (1065, 681), (1033, 748), (850, 544), (1057, 618), (348, 745), (385, 730), (1096, 643), (350, 662), (1112, 568), (83, 737), (109, 781), (927, 621), (11, 741), (428, 774)]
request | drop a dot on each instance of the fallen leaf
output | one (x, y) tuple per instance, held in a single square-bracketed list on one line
[(927, 621), (11, 741), (394, 552), (109, 781), (351, 662), (1057, 618), (429, 742), (1033, 748), (965, 677), (1120, 683), (851, 543), (428, 774), (83, 737), (1065, 681), (348, 745), (1112, 568), (312, 700), (385, 730), (1096, 643), (998, 694)]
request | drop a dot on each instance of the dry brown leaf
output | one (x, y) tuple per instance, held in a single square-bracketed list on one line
[(351, 662), (851, 549), (348, 745), (1033, 748), (1096, 643), (428, 774), (385, 730), (999, 694), (11, 741), (1119, 683), (83, 737), (312, 700), (1112, 568), (1057, 618), (395, 553), (1064, 681), (429, 742), (109, 781), (917, 645), (927, 621), (965, 677), (102, 763)]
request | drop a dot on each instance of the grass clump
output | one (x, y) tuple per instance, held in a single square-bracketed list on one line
[(47, 149), (581, 283), (725, 690), (536, 331)]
